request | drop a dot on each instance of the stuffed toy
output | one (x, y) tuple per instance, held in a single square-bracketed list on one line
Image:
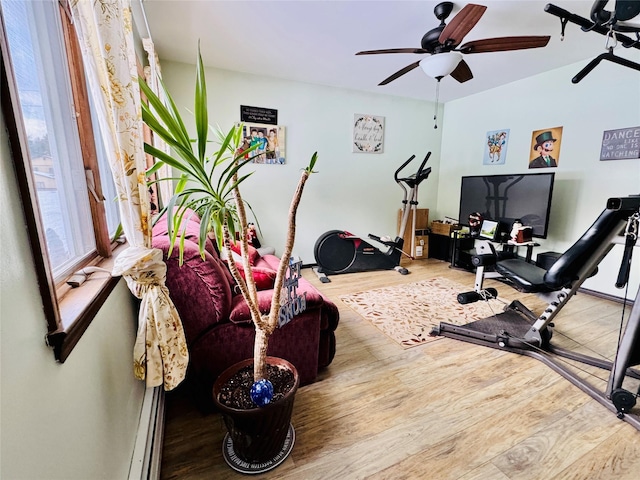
[(252, 236)]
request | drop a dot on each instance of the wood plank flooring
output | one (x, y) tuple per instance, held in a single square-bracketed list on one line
[(443, 410)]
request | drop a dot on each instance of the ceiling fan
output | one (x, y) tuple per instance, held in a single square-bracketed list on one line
[(443, 45)]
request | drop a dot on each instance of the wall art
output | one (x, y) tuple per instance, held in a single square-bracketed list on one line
[(368, 134), (545, 148), (270, 140), (267, 116), (495, 149), (623, 143)]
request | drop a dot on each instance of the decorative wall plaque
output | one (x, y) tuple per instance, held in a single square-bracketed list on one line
[(368, 134)]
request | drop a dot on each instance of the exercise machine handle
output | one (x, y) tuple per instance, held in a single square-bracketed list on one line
[(417, 177), (625, 266), (422, 173), (395, 175), (380, 240), (631, 233)]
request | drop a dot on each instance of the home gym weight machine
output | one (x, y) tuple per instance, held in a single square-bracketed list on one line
[(338, 251), (519, 330), (612, 24)]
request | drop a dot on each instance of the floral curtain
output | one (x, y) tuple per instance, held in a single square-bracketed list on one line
[(152, 75), (104, 29)]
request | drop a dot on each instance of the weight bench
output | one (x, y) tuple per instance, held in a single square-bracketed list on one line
[(517, 329)]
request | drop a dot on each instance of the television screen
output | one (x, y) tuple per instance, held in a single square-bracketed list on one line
[(505, 198)]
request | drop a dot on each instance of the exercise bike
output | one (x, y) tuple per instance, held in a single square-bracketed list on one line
[(338, 251)]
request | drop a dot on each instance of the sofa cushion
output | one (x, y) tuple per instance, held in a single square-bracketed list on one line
[(270, 260), (240, 310), (254, 255), (264, 277), (191, 224), (223, 265), (193, 233), (198, 288)]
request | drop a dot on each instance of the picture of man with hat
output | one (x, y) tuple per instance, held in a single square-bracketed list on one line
[(544, 148)]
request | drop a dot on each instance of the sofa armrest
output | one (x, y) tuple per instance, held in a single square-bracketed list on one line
[(330, 316), (198, 287)]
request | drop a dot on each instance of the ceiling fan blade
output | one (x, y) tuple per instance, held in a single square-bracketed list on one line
[(503, 44), (399, 73), (461, 24), (462, 72), (393, 50)]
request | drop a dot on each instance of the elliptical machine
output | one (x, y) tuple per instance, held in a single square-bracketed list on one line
[(338, 251)]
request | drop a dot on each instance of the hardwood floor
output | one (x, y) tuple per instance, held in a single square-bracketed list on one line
[(443, 410)]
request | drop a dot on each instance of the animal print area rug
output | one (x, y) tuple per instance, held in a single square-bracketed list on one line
[(407, 312)]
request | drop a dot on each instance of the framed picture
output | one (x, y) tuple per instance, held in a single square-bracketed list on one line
[(489, 229), (368, 134), (270, 140), (495, 149), (545, 148)]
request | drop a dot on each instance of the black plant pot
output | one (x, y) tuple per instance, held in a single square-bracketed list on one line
[(258, 439)]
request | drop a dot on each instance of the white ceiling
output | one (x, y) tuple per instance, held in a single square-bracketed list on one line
[(315, 41)]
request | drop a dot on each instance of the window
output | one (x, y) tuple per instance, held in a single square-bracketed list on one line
[(70, 207)]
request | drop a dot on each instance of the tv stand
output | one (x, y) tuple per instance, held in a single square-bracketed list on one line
[(462, 250)]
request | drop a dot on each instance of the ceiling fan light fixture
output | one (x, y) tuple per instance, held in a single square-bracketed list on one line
[(441, 64)]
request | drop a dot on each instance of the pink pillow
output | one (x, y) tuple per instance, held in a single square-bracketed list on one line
[(254, 256), (264, 277)]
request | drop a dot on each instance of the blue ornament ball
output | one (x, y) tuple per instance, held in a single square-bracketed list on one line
[(262, 392)]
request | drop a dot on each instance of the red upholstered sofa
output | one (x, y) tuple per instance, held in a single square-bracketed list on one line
[(217, 323)]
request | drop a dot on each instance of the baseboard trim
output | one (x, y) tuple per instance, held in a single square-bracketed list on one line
[(147, 452), (606, 296)]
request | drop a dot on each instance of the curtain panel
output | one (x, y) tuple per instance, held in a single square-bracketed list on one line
[(104, 29), (153, 74)]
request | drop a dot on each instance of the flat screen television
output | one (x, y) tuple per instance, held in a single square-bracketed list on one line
[(505, 198)]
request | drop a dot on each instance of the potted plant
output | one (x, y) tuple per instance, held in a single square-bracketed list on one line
[(210, 185)]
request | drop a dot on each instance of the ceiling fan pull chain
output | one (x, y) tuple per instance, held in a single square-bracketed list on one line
[(611, 36), (435, 113), (563, 24)]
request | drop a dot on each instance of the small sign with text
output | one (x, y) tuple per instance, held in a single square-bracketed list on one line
[(268, 116), (294, 304)]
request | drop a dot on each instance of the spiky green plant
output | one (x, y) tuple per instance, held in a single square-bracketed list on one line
[(210, 185), (205, 183)]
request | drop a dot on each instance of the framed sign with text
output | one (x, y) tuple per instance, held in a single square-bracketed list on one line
[(266, 116), (620, 144), (368, 134)]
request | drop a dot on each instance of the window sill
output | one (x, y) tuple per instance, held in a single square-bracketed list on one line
[(78, 306)]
